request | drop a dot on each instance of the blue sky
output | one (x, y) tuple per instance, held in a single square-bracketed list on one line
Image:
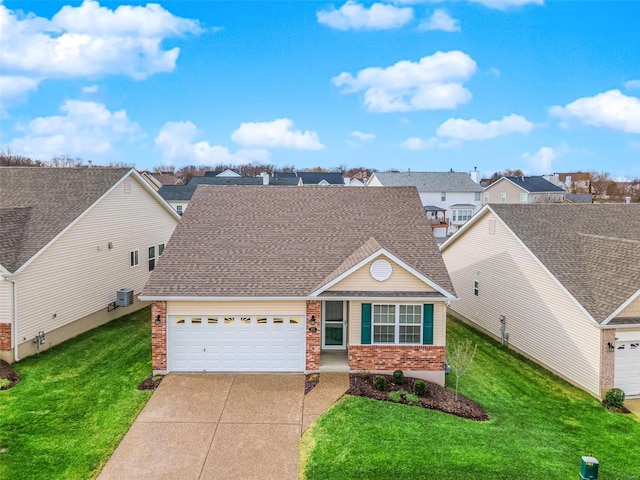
[(426, 85)]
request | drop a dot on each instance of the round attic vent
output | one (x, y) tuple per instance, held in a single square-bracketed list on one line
[(380, 270)]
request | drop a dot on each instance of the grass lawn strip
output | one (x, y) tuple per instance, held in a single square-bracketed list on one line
[(540, 427), (75, 402)]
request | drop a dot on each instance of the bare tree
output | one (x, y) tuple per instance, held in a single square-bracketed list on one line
[(506, 173), (460, 357)]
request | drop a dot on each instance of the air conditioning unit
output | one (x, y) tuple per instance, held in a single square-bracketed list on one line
[(124, 297)]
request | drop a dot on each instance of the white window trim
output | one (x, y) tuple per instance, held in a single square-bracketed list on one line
[(154, 258), (163, 247), (443, 196), (396, 324), (137, 258), (524, 197), (503, 197)]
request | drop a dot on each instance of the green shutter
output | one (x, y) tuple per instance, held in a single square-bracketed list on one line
[(365, 331), (427, 324)]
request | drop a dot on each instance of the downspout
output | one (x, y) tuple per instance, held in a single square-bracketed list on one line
[(15, 320)]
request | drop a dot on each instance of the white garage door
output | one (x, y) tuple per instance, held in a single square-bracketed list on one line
[(236, 343), (627, 371)]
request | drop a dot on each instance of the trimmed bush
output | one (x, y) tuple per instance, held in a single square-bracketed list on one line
[(419, 388), (398, 377), (380, 383), (614, 398)]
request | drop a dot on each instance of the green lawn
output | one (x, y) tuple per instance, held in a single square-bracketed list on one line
[(540, 428), (75, 402)]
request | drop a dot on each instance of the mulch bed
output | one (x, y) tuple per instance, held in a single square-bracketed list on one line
[(8, 373), (151, 382), (623, 409), (436, 398), (310, 381)]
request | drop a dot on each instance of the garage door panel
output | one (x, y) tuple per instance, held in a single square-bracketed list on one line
[(236, 343), (627, 367)]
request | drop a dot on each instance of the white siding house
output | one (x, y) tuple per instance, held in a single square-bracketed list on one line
[(561, 292), (67, 278)]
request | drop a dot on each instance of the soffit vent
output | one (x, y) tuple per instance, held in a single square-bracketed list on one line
[(380, 270)]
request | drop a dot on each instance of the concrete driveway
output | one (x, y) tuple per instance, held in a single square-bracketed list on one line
[(215, 426)]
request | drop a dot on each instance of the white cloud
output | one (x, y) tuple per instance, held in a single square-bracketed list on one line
[(90, 89), (363, 137), (15, 88), (275, 134), (610, 109), (175, 140), (494, 71), (354, 16), (417, 144), (434, 82), (541, 162), (440, 20), (632, 85), (506, 4), (90, 41), (475, 130), (85, 129)]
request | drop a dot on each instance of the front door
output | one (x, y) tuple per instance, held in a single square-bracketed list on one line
[(334, 328)]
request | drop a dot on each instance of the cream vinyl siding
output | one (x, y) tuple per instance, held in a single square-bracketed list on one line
[(439, 320), (79, 274), (542, 321), (631, 310), (284, 307), (495, 191), (5, 301), (399, 281)]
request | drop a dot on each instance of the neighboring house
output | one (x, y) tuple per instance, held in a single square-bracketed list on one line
[(574, 182), (167, 178), (565, 292), (148, 176), (70, 238), (578, 198), (280, 279), (313, 178), (455, 192), (221, 173), (178, 196), (523, 190)]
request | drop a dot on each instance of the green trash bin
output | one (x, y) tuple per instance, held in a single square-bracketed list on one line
[(589, 468)]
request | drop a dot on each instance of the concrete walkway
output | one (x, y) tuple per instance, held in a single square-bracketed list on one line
[(217, 426), (634, 406)]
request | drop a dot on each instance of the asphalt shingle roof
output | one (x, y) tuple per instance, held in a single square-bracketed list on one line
[(37, 203), (430, 181), (535, 184), (592, 249), (313, 178), (286, 242)]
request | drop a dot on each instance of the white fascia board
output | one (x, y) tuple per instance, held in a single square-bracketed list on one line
[(140, 180), (628, 326), (395, 259), (548, 272), (621, 307), (151, 298), (4, 272), (465, 227)]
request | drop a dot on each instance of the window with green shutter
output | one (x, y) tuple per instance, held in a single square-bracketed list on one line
[(427, 324), (365, 330)]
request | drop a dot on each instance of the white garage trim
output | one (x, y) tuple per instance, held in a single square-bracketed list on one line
[(627, 367), (236, 343)]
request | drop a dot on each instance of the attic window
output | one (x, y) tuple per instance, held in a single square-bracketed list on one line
[(492, 227), (476, 288), (127, 185)]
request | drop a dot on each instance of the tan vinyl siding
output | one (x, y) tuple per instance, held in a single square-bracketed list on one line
[(400, 281), (542, 321), (513, 192), (283, 307), (631, 310), (79, 273), (5, 302), (439, 320)]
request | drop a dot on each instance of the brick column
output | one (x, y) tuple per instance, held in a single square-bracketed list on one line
[(607, 360), (313, 338), (5, 337), (159, 336)]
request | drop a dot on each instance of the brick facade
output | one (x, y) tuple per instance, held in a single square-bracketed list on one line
[(393, 357), (607, 360), (159, 336), (313, 338), (5, 336)]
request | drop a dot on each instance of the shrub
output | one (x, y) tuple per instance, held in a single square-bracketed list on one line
[(380, 383), (395, 396), (411, 398), (419, 388), (614, 398), (398, 377)]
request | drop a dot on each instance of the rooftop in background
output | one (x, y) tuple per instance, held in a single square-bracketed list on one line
[(534, 184), (312, 178), (166, 178), (429, 181)]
